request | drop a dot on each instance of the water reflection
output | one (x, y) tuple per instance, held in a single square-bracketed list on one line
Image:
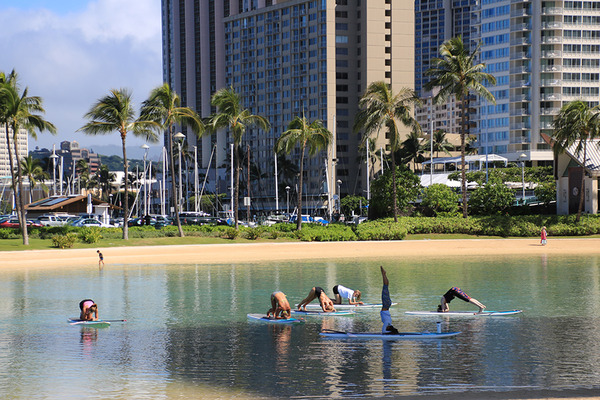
[(187, 328)]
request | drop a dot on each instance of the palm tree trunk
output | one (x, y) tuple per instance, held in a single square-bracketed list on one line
[(582, 183), (236, 193), (19, 189), (173, 186), (299, 212), (15, 185), (394, 189), (463, 173), (126, 184)]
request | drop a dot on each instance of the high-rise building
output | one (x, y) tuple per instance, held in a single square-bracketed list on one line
[(543, 54), (22, 143), (288, 58)]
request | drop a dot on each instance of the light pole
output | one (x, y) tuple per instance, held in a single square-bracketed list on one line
[(339, 183), (53, 157), (196, 200), (145, 147), (179, 137), (522, 157), (287, 189)]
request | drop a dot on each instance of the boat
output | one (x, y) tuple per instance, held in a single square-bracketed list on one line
[(271, 320), (384, 336), (96, 324), (464, 313)]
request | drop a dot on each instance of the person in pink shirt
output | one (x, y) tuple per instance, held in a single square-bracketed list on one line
[(543, 236)]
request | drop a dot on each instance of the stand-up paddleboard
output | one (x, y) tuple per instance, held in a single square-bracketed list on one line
[(381, 336), (96, 324), (346, 306), (271, 320), (315, 313), (465, 313)]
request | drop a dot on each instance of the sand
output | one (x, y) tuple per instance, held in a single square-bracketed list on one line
[(262, 252)]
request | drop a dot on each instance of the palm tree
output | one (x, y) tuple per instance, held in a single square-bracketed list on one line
[(313, 136), (20, 112), (440, 143), (412, 148), (456, 74), (164, 107), (231, 115), (575, 124), (381, 108), (115, 112), (32, 170), (105, 180)]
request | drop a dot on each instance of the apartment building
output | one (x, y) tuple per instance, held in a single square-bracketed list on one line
[(288, 58), (22, 143)]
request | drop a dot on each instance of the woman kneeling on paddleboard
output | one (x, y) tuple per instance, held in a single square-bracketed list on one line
[(317, 293), (280, 307), (386, 303), (342, 292), (456, 292), (88, 307)]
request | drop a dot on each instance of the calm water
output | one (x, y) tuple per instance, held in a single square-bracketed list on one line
[(187, 335)]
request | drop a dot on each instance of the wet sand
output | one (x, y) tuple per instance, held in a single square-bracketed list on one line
[(263, 252)]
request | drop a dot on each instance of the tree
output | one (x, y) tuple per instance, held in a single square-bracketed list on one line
[(163, 106), (412, 149), (381, 108), (33, 171), (312, 136), (440, 143), (20, 111), (455, 73), (105, 180), (440, 199), (112, 113), (492, 198), (575, 124), (353, 203), (230, 114), (408, 187)]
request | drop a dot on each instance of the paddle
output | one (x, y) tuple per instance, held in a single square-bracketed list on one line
[(115, 320)]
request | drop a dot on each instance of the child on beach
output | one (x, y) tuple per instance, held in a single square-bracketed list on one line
[(543, 236), (101, 259)]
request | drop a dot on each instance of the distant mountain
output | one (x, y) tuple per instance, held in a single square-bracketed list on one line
[(133, 152)]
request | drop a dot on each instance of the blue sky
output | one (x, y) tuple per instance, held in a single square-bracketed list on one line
[(72, 52)]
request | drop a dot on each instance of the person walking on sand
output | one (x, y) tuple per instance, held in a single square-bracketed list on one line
[(100, 259), (280, 307), (386, 303), (341, 292), (544, 236), (456, 292), (317, 293)]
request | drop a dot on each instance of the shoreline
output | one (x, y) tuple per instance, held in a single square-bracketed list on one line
[(295, 251)]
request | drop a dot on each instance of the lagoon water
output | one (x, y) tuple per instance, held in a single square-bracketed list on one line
[(187, 335)]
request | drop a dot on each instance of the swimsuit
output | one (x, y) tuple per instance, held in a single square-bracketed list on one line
[(456, 292), (318, 291), (86, 303)]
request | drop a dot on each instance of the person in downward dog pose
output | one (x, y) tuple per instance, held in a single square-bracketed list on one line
[(456, 292), (88, 307), (386, 303), (341, 292), (280, 307), (317, 293)]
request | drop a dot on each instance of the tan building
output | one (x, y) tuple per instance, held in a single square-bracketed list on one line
[(286, 58)]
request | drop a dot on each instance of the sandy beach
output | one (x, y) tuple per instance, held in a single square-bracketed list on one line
[(262, 252)]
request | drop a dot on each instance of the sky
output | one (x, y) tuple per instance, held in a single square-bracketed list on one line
[(72, 52)]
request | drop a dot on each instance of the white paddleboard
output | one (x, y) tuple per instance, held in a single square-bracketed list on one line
[(346, 306), (97, 324), (323, 314), (465, 313), (271, 320), (381, 336)]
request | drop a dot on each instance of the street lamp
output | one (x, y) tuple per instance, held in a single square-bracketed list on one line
[(53, 157), (179, 137), (145, 147), (287, 189), (522, 157), (339, 183)]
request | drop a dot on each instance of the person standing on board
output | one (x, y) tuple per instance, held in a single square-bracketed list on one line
[(100, 259), (280, 307), (88, 307), (386, 303), (341, 292), (456, 292), (317, 293), (543, 236)]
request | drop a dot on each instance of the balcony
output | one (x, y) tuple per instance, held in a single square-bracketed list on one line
[(552, 25), (520, 140), (550, 82), (520, 83), (524, 69), (551, 96), (552, 39), (551, 54), (520, 55), (552, 10), (519, 98), (549, 111), (522, 41), (519, 112), (551, 68), (523, 12), (520, 27), (520, 126)]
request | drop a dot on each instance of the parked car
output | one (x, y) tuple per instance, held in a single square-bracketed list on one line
[(88, 222), (13, 222), (52, 220)]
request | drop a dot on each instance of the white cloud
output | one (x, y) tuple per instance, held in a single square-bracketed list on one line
[(71, 60)]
